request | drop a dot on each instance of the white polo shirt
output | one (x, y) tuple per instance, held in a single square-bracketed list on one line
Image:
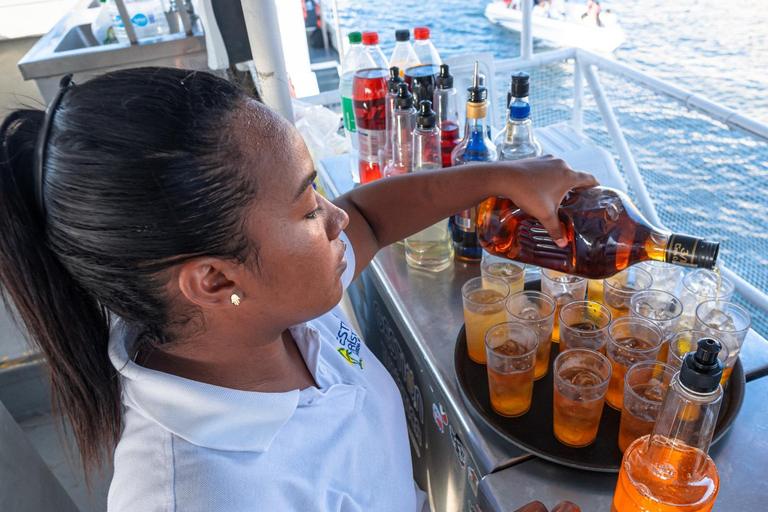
[(190, 446)]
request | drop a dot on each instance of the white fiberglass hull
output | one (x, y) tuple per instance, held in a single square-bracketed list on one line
[(558, 32)]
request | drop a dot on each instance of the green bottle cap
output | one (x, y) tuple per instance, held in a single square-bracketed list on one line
[(355, 37)]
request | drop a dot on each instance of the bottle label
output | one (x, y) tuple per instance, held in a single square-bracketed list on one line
[(681, 250), (349, 114), (466, 220), (369, 142), (370, 114)]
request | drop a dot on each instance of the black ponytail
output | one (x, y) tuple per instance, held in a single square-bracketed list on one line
[(143, 171)]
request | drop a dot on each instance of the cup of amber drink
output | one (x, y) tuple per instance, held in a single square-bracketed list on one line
[(631, 339), (684, 342), (564, 288), (584, 324), (537, 311), (729, 323), (619, 289), (581, 378), (511, 272), (665, 276), (484, 299), (511, 354), (661, 308), (645, 385)]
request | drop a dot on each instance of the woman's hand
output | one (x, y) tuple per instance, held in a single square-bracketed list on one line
[(538, 185)]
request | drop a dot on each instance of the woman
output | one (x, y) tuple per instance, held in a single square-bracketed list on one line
[(178, 211)]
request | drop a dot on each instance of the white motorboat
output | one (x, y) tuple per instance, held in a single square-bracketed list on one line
[(566, 29)]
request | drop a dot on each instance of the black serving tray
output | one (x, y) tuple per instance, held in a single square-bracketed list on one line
[(533, 430)]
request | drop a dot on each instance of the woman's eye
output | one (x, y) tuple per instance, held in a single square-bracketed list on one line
[(315, 213)]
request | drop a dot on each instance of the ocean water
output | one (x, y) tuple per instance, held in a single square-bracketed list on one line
[(705, 179)]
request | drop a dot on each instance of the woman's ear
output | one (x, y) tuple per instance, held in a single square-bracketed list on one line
[(208, 282)]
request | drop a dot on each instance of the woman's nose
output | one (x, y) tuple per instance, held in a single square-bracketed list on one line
[(337, 221)]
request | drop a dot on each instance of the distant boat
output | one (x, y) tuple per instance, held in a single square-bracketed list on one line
[(569, 31)]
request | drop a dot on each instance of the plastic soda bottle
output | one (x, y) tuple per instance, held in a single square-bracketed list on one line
[(403, 56), (424, 48), (369, 96), (403, 124), (447, 112), (518, 142), (372, 49), (669, 470), (354, 60), (147, 17)]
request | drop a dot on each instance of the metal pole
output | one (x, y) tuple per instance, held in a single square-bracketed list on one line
[(263, 27), (126, 19), (184, 16), (339, 45), (577, 121), (526, 35), (622, 148)]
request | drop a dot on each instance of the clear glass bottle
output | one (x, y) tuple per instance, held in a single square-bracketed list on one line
[(518, 142), (430, 249), (354, 60), (474, 147), (518, 91), (403, 124), (447, 111), (669, 470), (403, 56), (424, 48)]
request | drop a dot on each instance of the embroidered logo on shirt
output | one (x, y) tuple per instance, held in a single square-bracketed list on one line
[(350, 345)]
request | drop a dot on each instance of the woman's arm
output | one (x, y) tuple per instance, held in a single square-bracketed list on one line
[(391, 209)]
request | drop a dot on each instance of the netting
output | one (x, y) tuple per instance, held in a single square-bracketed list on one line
[(704, 178)]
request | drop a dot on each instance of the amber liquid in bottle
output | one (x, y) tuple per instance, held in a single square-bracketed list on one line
[(605, 232)]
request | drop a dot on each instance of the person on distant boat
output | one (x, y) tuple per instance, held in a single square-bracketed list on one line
[(606, 18), (512, 4), (557, 10), (541, 8), (593, 13)]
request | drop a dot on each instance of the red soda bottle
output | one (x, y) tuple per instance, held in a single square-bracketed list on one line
[(369, 95)]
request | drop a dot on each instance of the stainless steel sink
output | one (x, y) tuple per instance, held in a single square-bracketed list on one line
[(78, 37)]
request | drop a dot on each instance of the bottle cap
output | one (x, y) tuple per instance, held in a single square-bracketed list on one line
[(520, 85), (519, 110), (445, 78), (370, 38), (402, 34), (421, 33), (404, 98), (355, 37), (701, 370), (425, 119), (394, 79)]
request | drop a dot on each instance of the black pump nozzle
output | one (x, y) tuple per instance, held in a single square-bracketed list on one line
[(701, 370), (477, 93), (425, 119), (445, 78), (394, 79), (404, 98)]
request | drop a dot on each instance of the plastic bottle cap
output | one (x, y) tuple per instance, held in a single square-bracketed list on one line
[(355, 37), (520, 85), (370, 38), (421, 33), (701, 370), (425, 119), (445, 78), (404, 98), (402, 35), (519, 110), (394, 79)]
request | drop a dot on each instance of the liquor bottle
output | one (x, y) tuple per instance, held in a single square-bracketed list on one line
[(430, 249), (385, 157), (354, 60), (369, 94), (474, 147), (447, 111), (519, 87), (424, 48), (518, 142), (606, 234), (669, 470), (403, 124), (403, 56)]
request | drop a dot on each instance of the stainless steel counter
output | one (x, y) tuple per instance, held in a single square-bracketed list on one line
[(411, 320)]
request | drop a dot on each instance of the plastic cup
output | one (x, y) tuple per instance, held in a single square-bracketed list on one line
[(564, 288), (511, 272), (730, 323), (632, 339), (645, 385), (581, 378), (484, 299), (661, 308), (511, 354), (595, 290), (666, 276), (684, 342), (584, 324), (619, 289), (698, 286), (537, 311)]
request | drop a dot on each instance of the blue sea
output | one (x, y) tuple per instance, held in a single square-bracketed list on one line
[(706, 180)]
